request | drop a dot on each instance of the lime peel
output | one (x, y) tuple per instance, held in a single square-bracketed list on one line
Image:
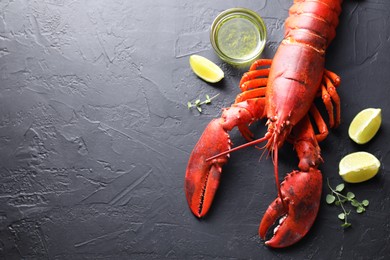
[(206, 69), (365, 125), (358, 167)]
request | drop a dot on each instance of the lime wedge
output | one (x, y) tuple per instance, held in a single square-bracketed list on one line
[(206, 69), (365, 125), (358, 167)]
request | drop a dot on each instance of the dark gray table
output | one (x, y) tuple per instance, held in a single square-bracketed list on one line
[(95, 133)]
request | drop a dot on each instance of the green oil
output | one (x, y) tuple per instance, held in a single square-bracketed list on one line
[(239, 38)]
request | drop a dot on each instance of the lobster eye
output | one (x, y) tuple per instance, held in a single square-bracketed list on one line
[(273, 118)]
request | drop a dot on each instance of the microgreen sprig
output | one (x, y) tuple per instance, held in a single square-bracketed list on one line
[(197, 103), (339, 199)]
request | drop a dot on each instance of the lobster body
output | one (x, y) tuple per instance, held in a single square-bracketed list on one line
[(298, 66), (284, 94)]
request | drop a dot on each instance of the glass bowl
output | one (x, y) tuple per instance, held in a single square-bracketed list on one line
[(238, 35)]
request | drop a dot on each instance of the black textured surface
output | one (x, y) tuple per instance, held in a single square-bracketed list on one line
[(95, 133)]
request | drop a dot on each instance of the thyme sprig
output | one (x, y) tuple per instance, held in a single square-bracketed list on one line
[(339, 199), (197, 103)]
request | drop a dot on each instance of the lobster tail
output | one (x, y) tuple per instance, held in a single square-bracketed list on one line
[(313, 22)]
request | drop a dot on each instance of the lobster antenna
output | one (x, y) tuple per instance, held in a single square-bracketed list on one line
[(276, 172), (274, 154), (238, 148)]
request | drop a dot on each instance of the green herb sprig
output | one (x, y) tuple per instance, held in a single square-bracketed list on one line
[(197, 103), (339, 199)]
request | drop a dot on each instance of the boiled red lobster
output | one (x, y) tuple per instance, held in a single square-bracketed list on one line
[(283, 91)]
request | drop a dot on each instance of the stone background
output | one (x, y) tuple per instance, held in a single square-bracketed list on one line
[(95, 133)]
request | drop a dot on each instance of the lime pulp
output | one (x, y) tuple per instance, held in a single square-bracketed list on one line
[(358, 167), (365, 125), (206, 69)]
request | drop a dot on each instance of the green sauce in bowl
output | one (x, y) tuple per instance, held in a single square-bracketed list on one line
[(238, 36)]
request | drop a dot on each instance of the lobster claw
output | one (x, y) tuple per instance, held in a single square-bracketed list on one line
[(202, 177), (301, 193)]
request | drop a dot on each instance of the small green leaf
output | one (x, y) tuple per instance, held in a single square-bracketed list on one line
[(330, 199), (345, 225), (339, 199), (360, 210), (340, 187), (198, 103), (350, 195), (355, 203)]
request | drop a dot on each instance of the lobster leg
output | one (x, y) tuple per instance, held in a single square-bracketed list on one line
[(254, 78), (329, 94), (203, 176), (297, 206), (321, 125)]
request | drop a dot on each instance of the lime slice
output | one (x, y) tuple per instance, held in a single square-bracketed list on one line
[(365, 125), (358, 167), (206, 69)]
